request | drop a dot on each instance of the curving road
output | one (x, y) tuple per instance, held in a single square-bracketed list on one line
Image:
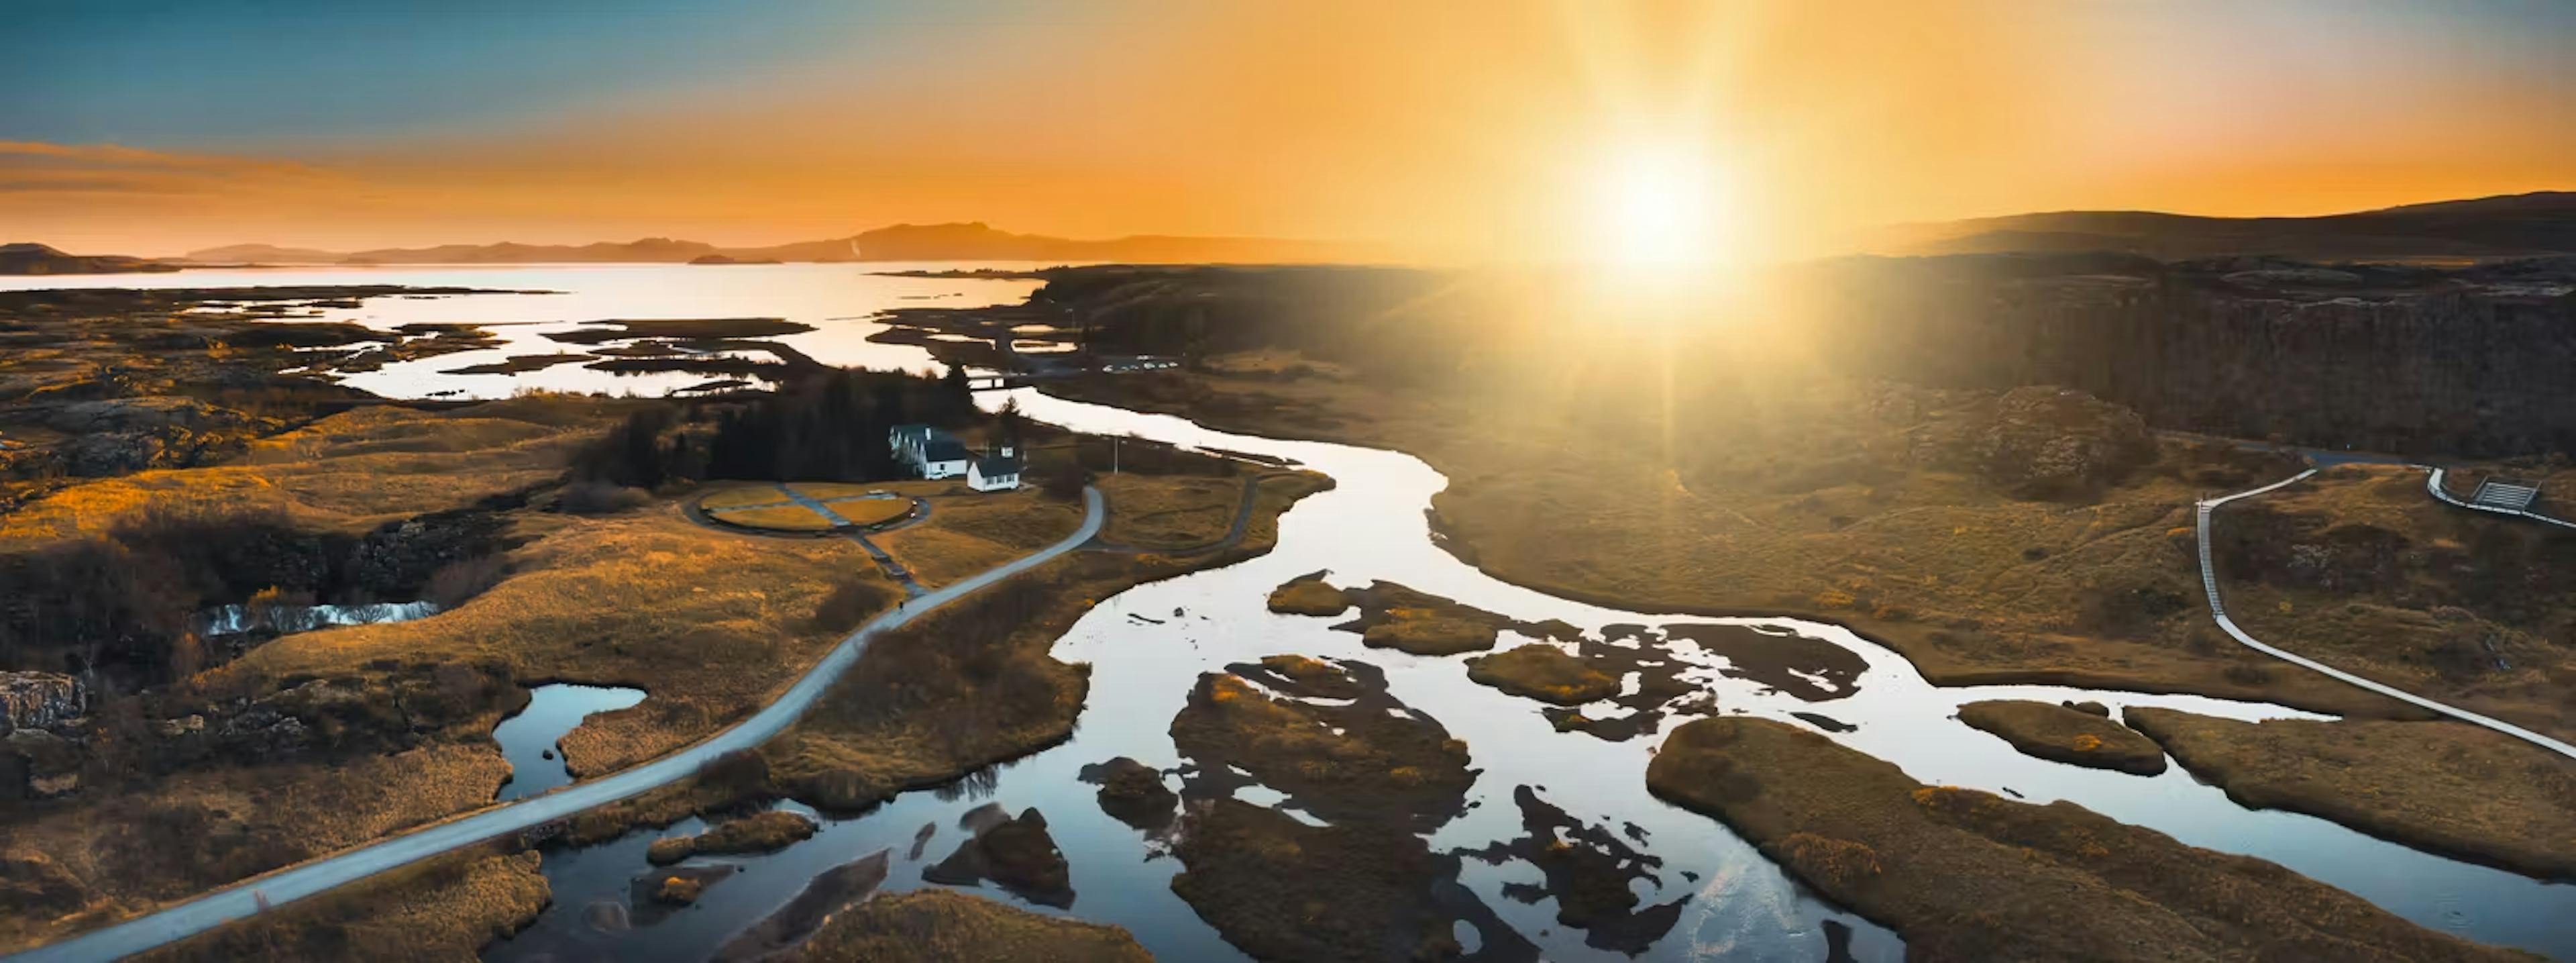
[(244, 899), (2209, 581)]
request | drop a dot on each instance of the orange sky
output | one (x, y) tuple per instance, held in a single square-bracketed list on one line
[(1473, 130)]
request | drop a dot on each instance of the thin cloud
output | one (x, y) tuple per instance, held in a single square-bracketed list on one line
[(37, 167)]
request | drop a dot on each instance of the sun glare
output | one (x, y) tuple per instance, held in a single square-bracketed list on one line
[(1660, 208)]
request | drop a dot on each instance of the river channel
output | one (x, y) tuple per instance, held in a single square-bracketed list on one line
[(1148, 645)]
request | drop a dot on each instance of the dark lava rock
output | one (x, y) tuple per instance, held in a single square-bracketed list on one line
[(1132, 793), (2089, 707), (1016, 854), (39, 700), (2046, 442)]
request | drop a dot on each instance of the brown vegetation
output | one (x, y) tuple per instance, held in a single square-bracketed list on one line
[(933, 926), (2061, 734), (2359, 568), (2447, 787), (1963, 874), (1309, 595), (1543, 672), (756, 833), (1340, 762), (442, 909)]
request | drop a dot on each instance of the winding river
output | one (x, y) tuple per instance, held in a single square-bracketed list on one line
[(1148, 645)]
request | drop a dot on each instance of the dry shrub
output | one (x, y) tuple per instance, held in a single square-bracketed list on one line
[(851, 603), (455, 582), (1840, 861), (600, 498)]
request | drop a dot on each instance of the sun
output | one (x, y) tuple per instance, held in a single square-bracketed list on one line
[(1659, 206)]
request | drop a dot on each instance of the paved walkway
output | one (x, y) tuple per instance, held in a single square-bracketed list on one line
[(2434, 485), (244, 899), (2209, 581)]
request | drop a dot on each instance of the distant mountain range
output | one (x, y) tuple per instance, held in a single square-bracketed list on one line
[(39, 259), (2487, 227), (903, 242)]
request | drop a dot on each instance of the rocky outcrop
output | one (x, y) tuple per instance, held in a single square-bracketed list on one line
[(2469, 362), (2037, 441), (120, 435), (40, 700)]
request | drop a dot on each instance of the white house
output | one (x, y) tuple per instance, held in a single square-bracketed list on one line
[(993, 473), (908, 440), (931, 452), (943, 456)]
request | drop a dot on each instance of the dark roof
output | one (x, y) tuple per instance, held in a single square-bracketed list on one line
[(943, 448), (992, 465)]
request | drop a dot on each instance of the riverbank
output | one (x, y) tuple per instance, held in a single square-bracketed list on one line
[(1968, 875), (1851, 515)]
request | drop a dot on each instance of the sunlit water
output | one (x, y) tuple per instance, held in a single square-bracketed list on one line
[(835, 298), (1148, 645)]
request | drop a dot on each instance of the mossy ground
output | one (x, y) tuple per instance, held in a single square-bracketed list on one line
[(1963, 874), (2447, 787), (2050, 731)]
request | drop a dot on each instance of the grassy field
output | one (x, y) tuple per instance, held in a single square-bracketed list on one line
[(442, 909), (1168, 512), (2359, 568), (785, 518), (1963, 874), (738, 495), (871, 511), (2447, 787), (935, 925), (967, 534), (345, 473)]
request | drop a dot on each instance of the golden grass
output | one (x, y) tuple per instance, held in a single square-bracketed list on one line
[(785, 518), (1152, 511), (970, 533), (301, 809), (937, 925), (444, 908), (740, 495), (871, 511), (829, 490), (2373, 576), (348, 472), (708, 624), (1963, 874), (2448, 787)]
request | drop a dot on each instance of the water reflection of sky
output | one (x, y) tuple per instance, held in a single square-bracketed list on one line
[(837, 299)]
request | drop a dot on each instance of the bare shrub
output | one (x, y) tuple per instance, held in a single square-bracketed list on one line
[(455, 582), (600, 498)]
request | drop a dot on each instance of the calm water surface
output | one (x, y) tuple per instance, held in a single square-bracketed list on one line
[(528, 738)]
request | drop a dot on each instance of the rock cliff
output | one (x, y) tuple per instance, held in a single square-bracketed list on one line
[(2466, 362)]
